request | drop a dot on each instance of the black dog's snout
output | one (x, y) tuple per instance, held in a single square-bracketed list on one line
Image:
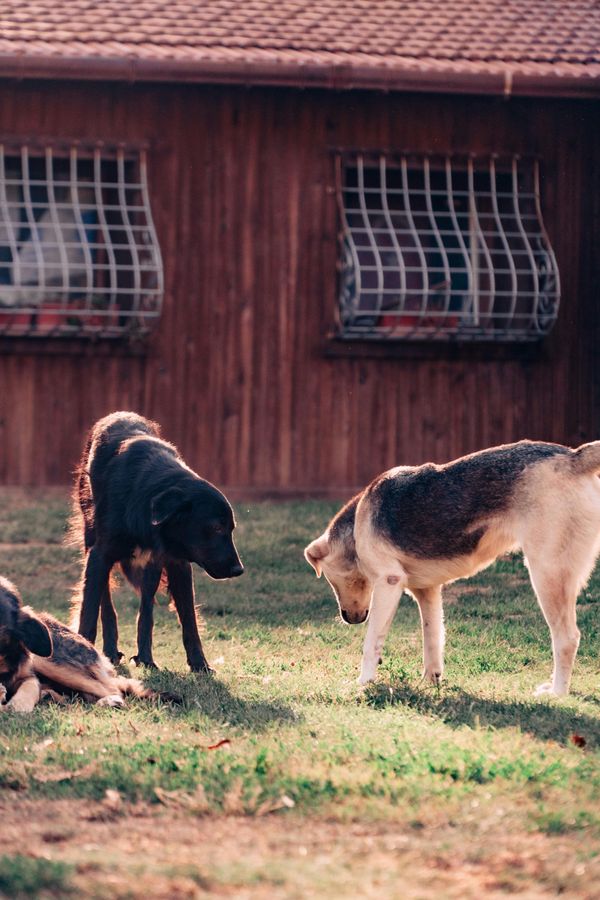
[(236, 570)]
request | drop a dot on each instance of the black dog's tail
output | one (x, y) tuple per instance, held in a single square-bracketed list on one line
[(81, 531)]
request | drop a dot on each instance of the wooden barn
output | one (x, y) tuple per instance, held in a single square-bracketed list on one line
[(313, 238)]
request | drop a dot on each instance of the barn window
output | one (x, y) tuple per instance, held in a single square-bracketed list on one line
[(444, 249), (78, 250)]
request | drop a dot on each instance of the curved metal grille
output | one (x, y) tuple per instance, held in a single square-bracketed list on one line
[(439, 248), (79, 254)]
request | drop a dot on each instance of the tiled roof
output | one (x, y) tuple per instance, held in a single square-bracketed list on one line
[(333, 42)]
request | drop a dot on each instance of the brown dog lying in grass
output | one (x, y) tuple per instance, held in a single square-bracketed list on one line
[(37, 652), (416, 528)]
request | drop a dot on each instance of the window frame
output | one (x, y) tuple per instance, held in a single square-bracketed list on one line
[(127, 328), (340, 342)]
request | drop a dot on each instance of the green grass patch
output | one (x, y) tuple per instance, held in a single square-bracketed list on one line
[(284, 706), (24, 876)]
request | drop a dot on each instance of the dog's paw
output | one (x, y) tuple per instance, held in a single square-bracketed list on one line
[(547, 689), (113, 700), (2, 695), (202, 669), (433, 676), (21, 704), (137, 661), (368, 672)]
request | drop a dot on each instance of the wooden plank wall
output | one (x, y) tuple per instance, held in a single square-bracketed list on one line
[(242, 194)]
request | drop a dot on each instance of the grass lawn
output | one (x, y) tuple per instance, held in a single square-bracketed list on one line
[(318, 787)]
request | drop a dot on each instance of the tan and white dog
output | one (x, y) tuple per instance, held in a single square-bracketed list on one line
[(39, 654), (418, 528)]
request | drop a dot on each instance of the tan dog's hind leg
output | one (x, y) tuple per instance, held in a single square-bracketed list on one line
[(561, 543), (556, 590), (384, 604), (432, 623), (26, 697), (96, 683)]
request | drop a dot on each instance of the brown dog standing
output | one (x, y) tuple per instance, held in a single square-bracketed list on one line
[(418, 528)]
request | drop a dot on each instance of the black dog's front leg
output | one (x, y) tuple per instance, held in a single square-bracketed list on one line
[(95, 583), (110, 628), (145, 621), (181, 588)]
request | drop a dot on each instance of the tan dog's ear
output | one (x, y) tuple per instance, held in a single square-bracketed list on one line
[(317, 551)]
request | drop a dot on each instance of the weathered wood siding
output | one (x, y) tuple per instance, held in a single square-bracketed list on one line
[(242, 195)]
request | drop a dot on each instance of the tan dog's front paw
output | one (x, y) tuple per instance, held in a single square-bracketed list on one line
[(368, 670), (24, 704), (433, 676), (113, 700), (547, 689)]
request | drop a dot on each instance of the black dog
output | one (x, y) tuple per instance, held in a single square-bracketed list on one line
[(136, 503)]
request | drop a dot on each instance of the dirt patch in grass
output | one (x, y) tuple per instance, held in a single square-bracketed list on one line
[(143, 851)]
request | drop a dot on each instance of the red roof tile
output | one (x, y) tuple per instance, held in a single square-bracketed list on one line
[(341, 43)]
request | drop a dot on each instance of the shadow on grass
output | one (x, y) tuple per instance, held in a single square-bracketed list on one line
[(545, 720), (210, 697), (279, 608)]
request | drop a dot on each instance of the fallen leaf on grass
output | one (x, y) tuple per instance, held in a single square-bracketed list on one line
[(173, 799), (196, 802), (112, 800), (217, 745), (271, 806), (233, 802), (109, 808), (57, 775), (64, 774), (38, 748)]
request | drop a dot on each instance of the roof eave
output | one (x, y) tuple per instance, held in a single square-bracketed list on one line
[(503, 82)]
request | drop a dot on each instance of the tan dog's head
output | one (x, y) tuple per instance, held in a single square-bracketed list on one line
[(334, 555)]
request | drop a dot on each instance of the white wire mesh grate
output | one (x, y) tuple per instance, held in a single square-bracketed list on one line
[(444, 249), (79, 254)]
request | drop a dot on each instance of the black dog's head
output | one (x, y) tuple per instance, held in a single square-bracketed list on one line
[(19, 626), (196, 523)]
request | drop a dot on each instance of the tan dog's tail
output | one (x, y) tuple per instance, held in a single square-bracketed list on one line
[(586, 459)]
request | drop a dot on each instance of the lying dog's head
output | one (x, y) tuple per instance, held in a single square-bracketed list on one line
[(196, 523), (334, 555), (19, 627)]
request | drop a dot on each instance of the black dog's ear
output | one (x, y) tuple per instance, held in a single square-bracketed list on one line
[(166, 505), (34, 634)]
